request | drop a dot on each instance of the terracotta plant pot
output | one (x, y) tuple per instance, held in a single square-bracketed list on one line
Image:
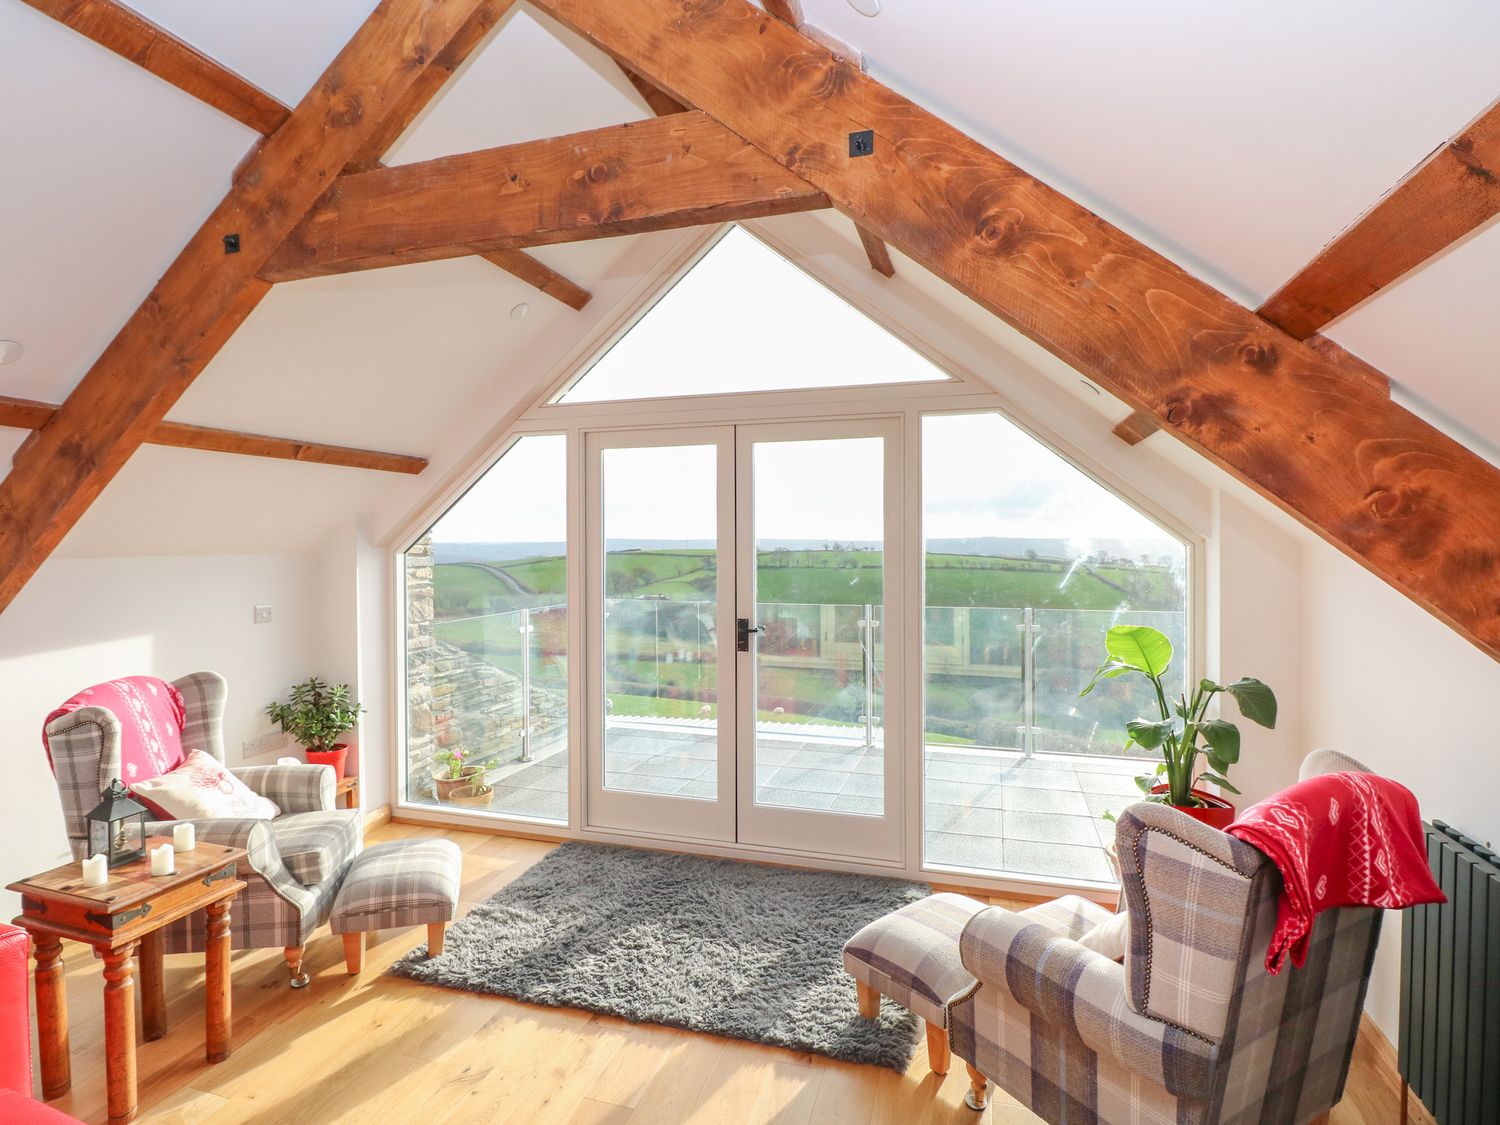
[(447, 786), (334, 756), (1214, 812), (477, 795)]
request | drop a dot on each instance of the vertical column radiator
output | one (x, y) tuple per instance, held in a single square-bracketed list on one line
[(1450, 985)]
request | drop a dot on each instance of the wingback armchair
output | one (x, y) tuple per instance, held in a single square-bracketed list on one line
[(1191, 1028), (297, 861)]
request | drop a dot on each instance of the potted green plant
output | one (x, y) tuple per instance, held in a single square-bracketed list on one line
[(315, 714), (1183, 732), (457, 774)]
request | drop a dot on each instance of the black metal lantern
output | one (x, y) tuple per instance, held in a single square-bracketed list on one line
[(117, 827)]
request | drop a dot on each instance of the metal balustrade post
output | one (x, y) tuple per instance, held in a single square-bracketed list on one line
[(867, 627), (1029, 631), (525, 627)]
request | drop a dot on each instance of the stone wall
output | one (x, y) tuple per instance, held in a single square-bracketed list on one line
[(455, 700)]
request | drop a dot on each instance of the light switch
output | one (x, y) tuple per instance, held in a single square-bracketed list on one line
[(262, 615)]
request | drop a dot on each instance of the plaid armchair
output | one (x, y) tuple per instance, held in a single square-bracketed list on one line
[(1191, 1028), (297, 861)]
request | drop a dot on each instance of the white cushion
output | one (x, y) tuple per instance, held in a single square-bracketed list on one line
[(1109, 938), (202, 789)]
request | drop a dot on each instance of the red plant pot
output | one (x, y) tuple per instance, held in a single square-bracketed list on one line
[(1214, 812), (335, 756)]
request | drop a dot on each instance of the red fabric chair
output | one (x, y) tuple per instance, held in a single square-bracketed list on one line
[(16, 1103)]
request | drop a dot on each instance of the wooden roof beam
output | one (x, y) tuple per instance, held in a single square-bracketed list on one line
[(130, 35), (660, 102), (133, 37), (25, 413), (876, 250), (1136, 428), (1412, 505), (659, 174), (209, 290), (1446, 197), (790, 13)]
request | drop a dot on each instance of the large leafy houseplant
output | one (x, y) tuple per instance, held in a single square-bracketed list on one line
[(316, 713), (1182, 732)]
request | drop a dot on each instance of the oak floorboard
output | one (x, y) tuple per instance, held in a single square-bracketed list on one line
[(376, 1048)]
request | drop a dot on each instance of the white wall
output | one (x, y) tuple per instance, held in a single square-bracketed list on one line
[(357, 648), (1394, 687), (1254, 629), (80, 621)]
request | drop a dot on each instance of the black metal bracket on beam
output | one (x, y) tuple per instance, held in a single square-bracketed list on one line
[(231, 244), (862, 143)]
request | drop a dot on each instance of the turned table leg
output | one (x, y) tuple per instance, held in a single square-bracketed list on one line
[(153, 987), (52, 1018), (217, 997), (119, 1030)]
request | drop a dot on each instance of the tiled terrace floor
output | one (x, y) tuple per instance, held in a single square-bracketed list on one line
[(989, 811)]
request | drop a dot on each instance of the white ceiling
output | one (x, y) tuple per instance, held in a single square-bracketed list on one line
[(1237, 139)]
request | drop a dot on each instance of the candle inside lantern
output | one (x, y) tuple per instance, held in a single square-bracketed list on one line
[(163, 860), (182, 838), (96, 871)]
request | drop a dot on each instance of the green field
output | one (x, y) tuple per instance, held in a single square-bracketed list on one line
[(811, 577), (660, 655)]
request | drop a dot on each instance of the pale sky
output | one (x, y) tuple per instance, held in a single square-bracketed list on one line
[(982, 475), (746, 319), (522, 499)]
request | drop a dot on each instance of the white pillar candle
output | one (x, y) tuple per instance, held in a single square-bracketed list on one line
[(163, 860), (96, 871), (182, 838)]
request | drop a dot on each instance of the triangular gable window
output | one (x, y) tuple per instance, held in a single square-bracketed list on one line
[(745, 319)]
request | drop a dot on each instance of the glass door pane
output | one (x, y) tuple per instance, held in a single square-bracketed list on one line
[(815, 510), (662, 734), (1028, 563)]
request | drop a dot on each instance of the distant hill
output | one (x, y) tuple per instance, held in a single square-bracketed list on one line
[(991, 546)]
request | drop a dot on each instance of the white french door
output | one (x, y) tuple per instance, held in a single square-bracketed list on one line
[(740, 641)]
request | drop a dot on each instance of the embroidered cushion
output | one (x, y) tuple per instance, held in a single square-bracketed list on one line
[(202, 789), (150, 715)]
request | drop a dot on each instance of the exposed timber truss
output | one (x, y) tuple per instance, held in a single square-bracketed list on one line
[(1306, 425)]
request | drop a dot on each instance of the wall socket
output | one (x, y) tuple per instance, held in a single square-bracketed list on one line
[(267, 743), (262, 615)]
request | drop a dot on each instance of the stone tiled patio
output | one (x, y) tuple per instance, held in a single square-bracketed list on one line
[(989, 811)]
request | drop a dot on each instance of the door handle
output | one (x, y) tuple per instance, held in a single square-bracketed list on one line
[(742, 633)]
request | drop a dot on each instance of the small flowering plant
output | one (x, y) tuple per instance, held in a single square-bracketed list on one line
[(454, 761)]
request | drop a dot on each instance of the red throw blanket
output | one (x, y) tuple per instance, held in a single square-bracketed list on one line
[(1342, 839)]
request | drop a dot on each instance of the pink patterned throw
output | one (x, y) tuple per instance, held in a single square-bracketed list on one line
[(151, 715), (1342, 839)]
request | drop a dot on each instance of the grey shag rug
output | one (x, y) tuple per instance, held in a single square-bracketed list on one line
[(737, 949)]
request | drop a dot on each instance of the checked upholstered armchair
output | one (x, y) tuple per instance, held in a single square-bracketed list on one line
[(297, 860), (1191, 1029)]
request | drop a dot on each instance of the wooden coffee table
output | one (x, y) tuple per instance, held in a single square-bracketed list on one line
[(125, 915)]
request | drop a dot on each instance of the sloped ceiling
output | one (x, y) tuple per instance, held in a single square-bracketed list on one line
[(1235, 139)]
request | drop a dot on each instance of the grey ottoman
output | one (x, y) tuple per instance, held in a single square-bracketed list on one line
[(911, 956), (398, 883)]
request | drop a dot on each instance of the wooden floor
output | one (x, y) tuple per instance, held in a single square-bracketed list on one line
[(381, 1048)]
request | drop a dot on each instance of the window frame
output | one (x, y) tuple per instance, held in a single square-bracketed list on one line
[(966, 393)]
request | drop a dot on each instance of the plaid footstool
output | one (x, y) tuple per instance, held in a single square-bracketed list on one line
[(911, 957), (398, 883)]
